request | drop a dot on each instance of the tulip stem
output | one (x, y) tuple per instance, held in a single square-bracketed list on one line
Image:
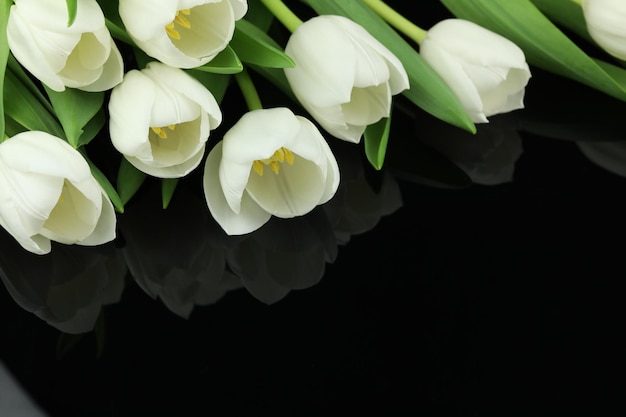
[(253, 101), (395, 19), (283, 14)]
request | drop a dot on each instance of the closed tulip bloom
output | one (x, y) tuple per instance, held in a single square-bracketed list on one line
[(270, 163), (343, 76), (182, 33), (160, 120), (47, 193), (487, 72), (606, 23), (81, 56)]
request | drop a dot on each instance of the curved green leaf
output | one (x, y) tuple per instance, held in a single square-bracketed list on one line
[(5, 6), (254, 46), (226, 62), (376, 137), (72, 6), (129, 179), (168, 186), (428, 90)]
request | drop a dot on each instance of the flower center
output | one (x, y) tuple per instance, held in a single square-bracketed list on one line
[(281, 155), (179, 19), (161, 132)]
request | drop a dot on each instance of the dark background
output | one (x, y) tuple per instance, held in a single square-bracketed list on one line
[(488, 300)]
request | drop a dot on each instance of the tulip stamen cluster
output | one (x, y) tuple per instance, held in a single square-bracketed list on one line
[(281, 155), (161, 132), (170, 28)]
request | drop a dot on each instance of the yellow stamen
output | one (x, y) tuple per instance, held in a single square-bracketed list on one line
[(181, 20), (281, 155), (160, 131), (258, 167), (171, 127), (171, 32)]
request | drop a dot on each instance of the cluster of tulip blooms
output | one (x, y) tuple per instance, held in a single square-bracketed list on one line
[(343, 66)]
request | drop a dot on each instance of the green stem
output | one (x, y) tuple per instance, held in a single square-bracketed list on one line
[(395, 19), (283, 14), (248, 90), (578, 2)]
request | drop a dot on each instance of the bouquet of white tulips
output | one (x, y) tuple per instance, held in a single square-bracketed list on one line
[(146, 80)]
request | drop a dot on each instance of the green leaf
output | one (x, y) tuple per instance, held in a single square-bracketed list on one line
[(74, 109), (565, 13), (105, 184), (129, 180), (168, 186), (26, 109), (92, 128), (27, 82), (376, 137), (254, 46), (545, 45), (4, 55), (226, 62), (71, 11), (428, 90)]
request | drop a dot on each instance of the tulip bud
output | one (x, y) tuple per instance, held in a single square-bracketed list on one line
[(606, 23)]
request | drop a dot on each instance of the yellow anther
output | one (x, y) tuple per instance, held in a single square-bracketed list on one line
[(171, 127), (160, 131), (181, 20), (171, 32), (258, 167), (288, 156), (281, 155)]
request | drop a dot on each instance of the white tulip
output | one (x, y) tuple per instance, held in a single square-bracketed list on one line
[(160, 120), (271, 162), (343, 77), (182, 33), (81, 56), (47, 193), (487, 72), (606, 23)]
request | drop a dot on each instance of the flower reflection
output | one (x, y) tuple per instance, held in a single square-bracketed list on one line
[(172, 254), (488, 157), (284, 255), (65, 288), (608, 155)]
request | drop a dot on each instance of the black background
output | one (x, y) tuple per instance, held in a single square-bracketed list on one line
[(489, 300)]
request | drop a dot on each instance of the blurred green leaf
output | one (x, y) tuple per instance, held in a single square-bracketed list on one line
[(168, 186), (565, 13), (4, 55), (129, 180), (544, 44), (428, 90), (226, 62), (104, 183), (74, 109), (376, 137), (254, 46), (26, 109), (92, 128), (71, 11)]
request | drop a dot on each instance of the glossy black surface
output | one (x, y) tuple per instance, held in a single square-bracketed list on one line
[(480, 300)]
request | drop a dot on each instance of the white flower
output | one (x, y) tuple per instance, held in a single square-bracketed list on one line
[(271, 162), (160, 120), (344, 77), (47, 193), (606, 23), (182, 33), (81, 56), (486, 71)]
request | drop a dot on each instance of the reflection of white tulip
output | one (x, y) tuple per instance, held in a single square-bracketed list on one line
[(160, 119), (486, 71), (608, 155), (344, 77), (182, 33), (271, 162), (606, 23), (81, 56), (47, 193)]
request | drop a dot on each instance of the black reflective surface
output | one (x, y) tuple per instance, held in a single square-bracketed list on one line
[(408, 294)]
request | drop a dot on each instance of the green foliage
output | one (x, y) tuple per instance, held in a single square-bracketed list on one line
[(376, 137), (129, 180), (72, 6), (254, 46)]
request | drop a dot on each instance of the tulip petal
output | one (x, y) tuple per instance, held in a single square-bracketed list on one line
[(112, 72), (170, 171), (146, 20), (105, 227), (250, 216)]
